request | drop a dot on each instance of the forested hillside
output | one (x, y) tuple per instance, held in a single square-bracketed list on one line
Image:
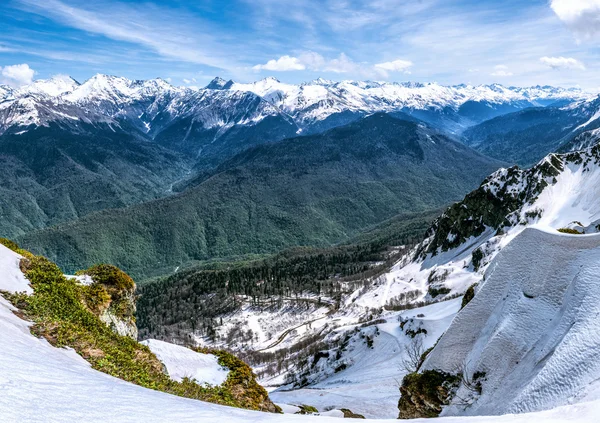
[(316, 190)]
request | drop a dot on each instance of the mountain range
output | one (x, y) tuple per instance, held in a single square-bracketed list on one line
[(283, 163), (299, 226)]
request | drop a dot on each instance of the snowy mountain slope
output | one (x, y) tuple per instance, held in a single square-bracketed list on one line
[(46, 384), (369, 383), (531, 327), (559, 190), (182, 362), (153, 104), (320, 99)]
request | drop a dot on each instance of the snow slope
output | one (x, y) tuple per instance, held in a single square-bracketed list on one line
[(182, 362), (11, 277), (532, 327), (370, 384), (44, 384)]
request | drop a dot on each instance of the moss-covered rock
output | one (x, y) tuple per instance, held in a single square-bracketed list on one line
[(242, 384), (306, 409), (424, 394), (111, 297), (569, 231), (350, 415)]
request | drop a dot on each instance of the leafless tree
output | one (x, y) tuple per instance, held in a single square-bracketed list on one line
[(413, 352)]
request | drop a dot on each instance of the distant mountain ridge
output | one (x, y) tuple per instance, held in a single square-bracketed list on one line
[(526, 136), (152, 105)]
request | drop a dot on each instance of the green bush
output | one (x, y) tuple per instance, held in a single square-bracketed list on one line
[(477, 257), (434, 292), (569, 231), (469, 295)]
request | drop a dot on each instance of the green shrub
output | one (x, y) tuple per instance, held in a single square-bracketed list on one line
[(110, 276), (469, 295), (434, 292), (477, 257), (569, 231)]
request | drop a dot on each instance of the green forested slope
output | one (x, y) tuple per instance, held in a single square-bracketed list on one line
[(315, 190)]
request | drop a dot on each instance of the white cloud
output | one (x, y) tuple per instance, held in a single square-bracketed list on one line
[(562, 63), (581, 16), (395, 66), (16, 75), (283, 64), (342, 64), (501, 70), (315, 62)]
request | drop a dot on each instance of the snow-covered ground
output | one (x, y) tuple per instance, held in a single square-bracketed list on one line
[(40, 383), (11, 277), (182, 362), (370, 384), (532, 327)]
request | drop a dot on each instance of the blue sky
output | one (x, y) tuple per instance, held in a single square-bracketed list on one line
[(524, 42)]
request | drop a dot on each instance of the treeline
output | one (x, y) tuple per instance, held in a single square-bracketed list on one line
[(195, 300)]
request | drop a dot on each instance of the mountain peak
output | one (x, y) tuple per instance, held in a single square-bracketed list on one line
[(54, 86), (219, 83), (270, 79)]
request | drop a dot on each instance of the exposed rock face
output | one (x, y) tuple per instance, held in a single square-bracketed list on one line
[(424, 394), (121, 323), (350, 415), (112, 298)]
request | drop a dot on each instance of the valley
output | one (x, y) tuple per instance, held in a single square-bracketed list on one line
[(345, 240)]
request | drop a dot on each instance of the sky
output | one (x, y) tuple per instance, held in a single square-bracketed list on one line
[(512, 42)]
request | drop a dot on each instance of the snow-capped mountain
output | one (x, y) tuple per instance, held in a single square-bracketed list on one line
[(153, 105), (317, 100)]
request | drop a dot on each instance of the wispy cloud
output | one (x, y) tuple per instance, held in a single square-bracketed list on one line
[(283, 64), (342, 64), (166, 32), (562, 63), (502, 71), (398, 65)]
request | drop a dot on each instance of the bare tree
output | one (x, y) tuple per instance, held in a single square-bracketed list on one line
[(413, 352)]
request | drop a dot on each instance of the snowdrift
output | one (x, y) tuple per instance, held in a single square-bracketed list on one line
[(532, 328)]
